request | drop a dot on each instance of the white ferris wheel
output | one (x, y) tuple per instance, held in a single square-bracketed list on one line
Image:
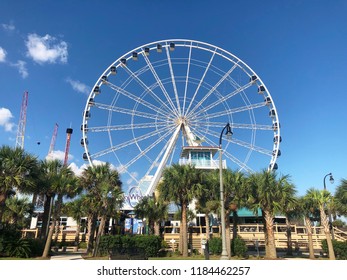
[(163, 96)]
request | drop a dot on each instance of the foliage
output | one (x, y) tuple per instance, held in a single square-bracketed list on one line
[(239, 247), (19, 248), (340, 248), (151, 244), (215, 245)]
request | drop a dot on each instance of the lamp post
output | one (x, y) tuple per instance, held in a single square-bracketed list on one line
[(331, 179), (224, 255)]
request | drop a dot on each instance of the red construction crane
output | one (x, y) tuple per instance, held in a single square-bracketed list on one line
[(22, 121), (67, 146), (54, 137)]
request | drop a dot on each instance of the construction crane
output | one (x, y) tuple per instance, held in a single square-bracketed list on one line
[(53, 140), (22, 121), (67, 146)]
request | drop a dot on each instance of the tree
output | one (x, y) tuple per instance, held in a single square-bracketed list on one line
[(103, 186), (306, 207), (17, 211), (153, 210), (340, 198), (61, 181), (266, 191), (16, 172), (321, 199), (180, 184)]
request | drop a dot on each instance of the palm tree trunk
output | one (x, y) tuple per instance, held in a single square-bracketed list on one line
[(289, 238), (91, 232), (156, 228), (325, 224), (48, 242), (45, 216), (235, 223), (3, 197), (99, 234), (309, 236), (207, 225), (184, 231), (58, 205), (271, 249)]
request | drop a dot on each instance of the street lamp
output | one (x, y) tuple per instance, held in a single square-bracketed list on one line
[(229, 133), (331, 179)]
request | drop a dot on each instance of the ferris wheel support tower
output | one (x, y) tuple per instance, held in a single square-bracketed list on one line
[(22, 121)]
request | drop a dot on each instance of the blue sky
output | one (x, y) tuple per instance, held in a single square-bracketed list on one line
[(56, 50)]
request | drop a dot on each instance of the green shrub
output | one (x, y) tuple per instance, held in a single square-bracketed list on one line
[(340, 249), (36, 247), (149, 243), (215, 245), (18, 248), (238, 247)]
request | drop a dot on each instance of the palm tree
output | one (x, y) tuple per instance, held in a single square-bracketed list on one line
[(179, 185), (16, 172), (234, 198), (321, 199), (289, 206), (61, 181), (266, 192), (153, 211), (306, 208), (75, 210), (340, 198), (207, 201), (103, 183), (17, 211)]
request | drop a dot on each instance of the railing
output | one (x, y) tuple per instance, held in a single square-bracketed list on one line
[(254, 233)]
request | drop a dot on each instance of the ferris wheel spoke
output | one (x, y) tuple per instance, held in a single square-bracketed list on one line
[(173, 80), (232, 125), (187, 79), (145, 87), (231, 111), (128, 143), (212, 90), (226, 97), (159, 82), (130, 126), (150, 147), (137, 99), (241, 164), (129, 111), (201, 80)]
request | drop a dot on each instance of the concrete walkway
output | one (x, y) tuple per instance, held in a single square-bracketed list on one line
[(68, 255)]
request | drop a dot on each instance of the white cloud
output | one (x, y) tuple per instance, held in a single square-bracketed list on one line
[(8, 27), (78, 86), (21, 66), (60, 155), (79, 170), (46, 49), (5, 119), (2, 55)]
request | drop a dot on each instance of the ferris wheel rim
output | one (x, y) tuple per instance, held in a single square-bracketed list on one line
[(188, 43)]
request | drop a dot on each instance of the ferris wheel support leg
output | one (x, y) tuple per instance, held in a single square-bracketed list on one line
[(163, 162)]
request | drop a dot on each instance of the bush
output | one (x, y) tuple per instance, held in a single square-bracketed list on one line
[(340, 249), (238, 247), (149, 243), (19, 248), (215, 245)]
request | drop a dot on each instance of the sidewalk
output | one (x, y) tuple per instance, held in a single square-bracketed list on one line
[(68, 255)]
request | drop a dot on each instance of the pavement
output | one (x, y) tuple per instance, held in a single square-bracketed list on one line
[(68, 255)]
